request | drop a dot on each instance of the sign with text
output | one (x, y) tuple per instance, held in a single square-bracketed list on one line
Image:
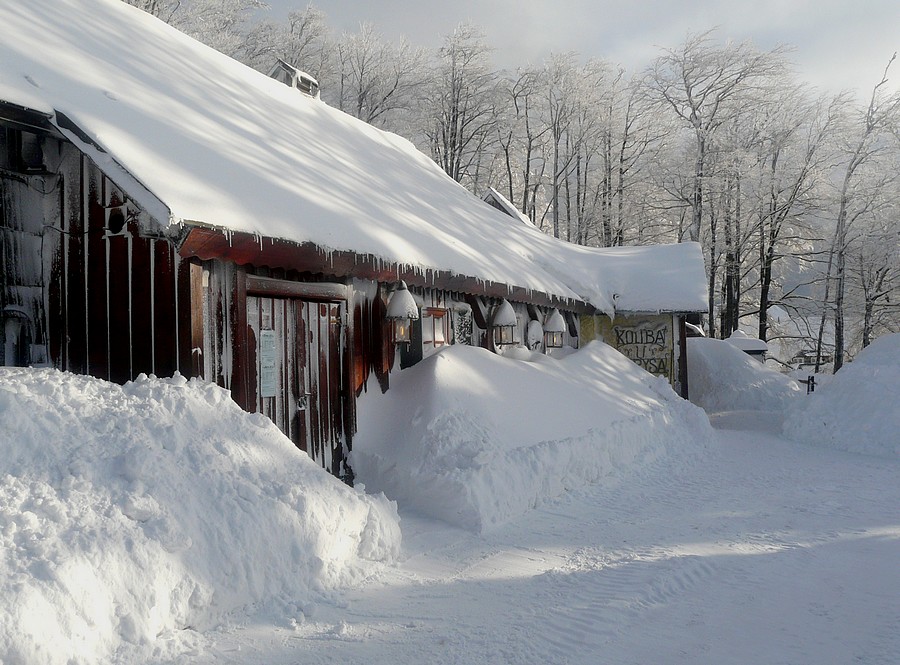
[(268, 377), (646, 340)]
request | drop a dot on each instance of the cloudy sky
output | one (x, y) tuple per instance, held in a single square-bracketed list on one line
[(839, 44)]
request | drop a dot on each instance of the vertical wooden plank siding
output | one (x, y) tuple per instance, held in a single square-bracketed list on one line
[(239, 369), (197, 307), (119, 308), (76, 308), (141, 305), (335, 384), (95, 266), (682, 357), (165, 320), (184, 311), (301, 362), (112, 299)]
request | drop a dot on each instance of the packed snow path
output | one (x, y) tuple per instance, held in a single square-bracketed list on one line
[(763, 551)]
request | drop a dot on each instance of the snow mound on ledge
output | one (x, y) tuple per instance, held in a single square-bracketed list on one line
[(859, 409), (130, 514), (474, 439), (722, 378)]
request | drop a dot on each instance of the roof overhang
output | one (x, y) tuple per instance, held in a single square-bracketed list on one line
[(20, 117), (207, 243)]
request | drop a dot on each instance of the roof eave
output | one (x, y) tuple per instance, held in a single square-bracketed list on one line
[(205, 242)]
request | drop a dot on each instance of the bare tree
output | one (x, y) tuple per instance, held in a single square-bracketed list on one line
[(874, 271), (702, 84), (792, 149), (879, 116), (699, 82), (221, 24), (520, 133), (460, 121), (303, 41), (376, 77)]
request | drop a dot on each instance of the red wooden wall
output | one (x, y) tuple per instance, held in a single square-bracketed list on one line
[(118, 303)]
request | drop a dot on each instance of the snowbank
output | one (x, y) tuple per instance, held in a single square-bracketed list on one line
[(859, 409), (129, 514), (721, 377), (474, 438)]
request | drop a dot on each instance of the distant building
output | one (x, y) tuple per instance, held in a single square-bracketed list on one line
[(752, 346)]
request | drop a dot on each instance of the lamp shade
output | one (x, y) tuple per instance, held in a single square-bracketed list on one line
[(504, 324), (401, 309), (402, 305)]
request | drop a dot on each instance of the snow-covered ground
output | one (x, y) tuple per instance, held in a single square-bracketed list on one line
[(736, 546)]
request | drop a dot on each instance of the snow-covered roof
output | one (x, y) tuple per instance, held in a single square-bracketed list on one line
[(496, 199), (195, 137), (744, 342)]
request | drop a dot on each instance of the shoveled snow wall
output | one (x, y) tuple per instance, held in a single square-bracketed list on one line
[(858, 410), (130, 515), (475, 439), (722, 378)]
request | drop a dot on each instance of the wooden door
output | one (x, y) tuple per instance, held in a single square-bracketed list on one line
[(301, 372)]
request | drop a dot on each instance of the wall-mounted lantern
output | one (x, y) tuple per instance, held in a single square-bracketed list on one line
[(504, 324), (554, 327), (401, 309)]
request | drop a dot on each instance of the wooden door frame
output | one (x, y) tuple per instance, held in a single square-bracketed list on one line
[(323, 292)]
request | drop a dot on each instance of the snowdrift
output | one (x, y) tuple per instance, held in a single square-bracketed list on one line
[(859, 409), (130, 514), (722, 378), (474, 439)]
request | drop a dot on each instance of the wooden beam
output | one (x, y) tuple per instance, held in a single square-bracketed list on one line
[(280, 288), (247, 249)]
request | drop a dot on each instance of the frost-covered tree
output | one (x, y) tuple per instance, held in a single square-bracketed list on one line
[(793, 142), (221, 24), (866, 142), (873, 270), (702, 83), (303, 40), (460, 105), (520, 133), (376, 78)]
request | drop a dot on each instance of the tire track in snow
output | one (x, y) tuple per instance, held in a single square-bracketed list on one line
[(599, 595)]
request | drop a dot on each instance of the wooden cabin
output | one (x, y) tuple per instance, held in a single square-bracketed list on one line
[(205, 219)]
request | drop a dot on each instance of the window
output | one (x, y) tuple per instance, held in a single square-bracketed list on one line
[(435, 329)]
